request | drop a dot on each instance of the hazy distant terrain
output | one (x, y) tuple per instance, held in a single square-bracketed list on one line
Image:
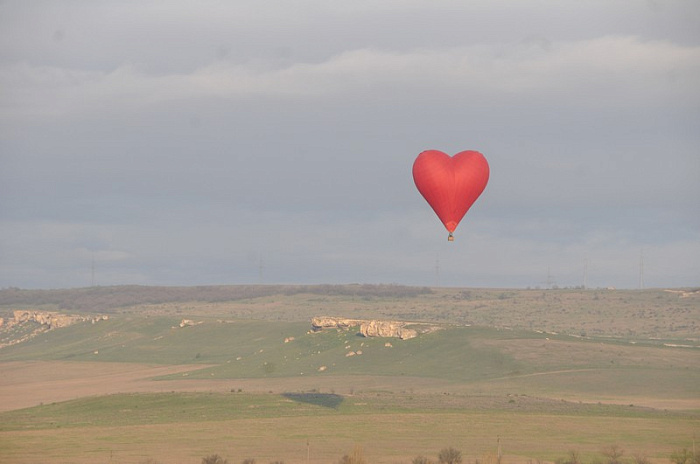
[(247, 357), (629, 314)]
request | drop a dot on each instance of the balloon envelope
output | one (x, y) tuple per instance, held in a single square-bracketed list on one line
[(450, 184)]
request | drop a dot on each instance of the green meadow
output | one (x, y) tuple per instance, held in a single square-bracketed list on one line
[(389, 426)]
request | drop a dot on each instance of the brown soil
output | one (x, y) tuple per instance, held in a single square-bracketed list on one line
[(31, 383)]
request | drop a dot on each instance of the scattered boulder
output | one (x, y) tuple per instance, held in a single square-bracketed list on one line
[(187, 323)]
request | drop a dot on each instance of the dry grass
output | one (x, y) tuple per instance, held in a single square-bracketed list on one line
[(385, 438)]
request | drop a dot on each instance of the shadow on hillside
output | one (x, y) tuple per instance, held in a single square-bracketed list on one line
[(327, 400)]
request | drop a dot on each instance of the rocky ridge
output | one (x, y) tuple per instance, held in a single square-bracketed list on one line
[(370, 328), (47, 320)]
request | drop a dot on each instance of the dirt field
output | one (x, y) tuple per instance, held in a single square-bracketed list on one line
[(31, 383), (25, 384), (529, 428)]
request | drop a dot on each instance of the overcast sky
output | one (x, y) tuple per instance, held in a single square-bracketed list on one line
[(213, 142)]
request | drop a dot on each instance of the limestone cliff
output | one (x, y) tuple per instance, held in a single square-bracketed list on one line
[(328, 322), (387, 329), (19, 328), (368, 328), (53, 320)]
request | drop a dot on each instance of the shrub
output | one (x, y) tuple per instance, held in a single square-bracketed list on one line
[(214, 459), (682, 457), (450, 456), (613, 454), (421, 460), (356, 457), (572, 458), (641, 459)]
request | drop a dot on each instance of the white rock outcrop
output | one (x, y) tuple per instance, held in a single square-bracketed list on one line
[(51, 319), (47, 320), (387, 329), (368, 328), (328, 322)]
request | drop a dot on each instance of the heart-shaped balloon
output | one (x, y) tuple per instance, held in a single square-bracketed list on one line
[(450, 184)]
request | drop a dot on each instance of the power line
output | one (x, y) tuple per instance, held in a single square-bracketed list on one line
[(550, 279)]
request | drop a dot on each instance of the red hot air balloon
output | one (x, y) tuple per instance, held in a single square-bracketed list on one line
[(450, 184)]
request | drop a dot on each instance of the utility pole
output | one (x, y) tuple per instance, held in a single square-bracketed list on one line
[(498, 441), (550, 279), (694, 445), (308, 451)]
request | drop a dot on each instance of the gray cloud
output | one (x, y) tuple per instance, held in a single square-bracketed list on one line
[(175, 144)]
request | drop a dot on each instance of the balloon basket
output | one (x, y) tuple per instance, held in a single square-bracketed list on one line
[(450, 238)]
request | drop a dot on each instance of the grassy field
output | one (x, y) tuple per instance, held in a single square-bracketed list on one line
[(547, 371), (533, 363), (183, 427)]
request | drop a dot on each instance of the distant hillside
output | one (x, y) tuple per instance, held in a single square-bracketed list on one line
[(106, 299), (512, 360), (642, 315)]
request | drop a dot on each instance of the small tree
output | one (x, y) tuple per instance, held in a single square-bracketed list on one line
[(640, 459), (450, 456), (613, 454), (682, 457), (421, 460), (248, 461), (356, 457), (572, 458), (214, 459)]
